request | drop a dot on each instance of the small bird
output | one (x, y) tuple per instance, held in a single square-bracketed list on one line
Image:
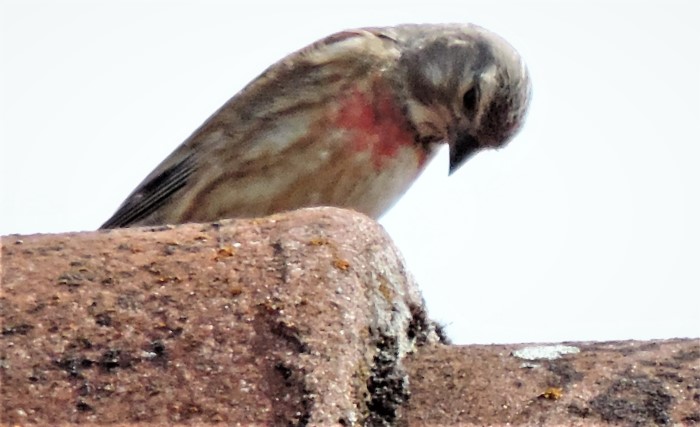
[(349, 121)]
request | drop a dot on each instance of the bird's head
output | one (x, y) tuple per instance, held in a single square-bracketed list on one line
[(463, 85)]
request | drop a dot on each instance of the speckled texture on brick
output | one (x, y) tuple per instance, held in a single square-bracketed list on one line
[(630, 383), (293, 319), (304, 318)]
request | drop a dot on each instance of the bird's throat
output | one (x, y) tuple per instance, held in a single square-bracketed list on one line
[(375, 123)]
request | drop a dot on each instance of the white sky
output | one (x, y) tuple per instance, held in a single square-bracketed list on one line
[(586, 227)]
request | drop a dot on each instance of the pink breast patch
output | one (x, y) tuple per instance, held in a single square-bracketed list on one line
[(375, 123)]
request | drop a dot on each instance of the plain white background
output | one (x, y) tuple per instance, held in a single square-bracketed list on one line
[(584, 228)]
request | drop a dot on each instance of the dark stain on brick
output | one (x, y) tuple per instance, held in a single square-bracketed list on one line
[(280, 260), (564, 370), (74, 365), (285, 371), (688, 355), (634, 399), (103, 319), (421, 326), (158, 348), (40, 305), (18, 329), (79, 343), (578, 411), (83, 406), (158, 353), (672, 376), (85, 389), (113, 359), (287, 379), (70, 279), (387, 383), (692, 418), (291, 335), (170, 248)]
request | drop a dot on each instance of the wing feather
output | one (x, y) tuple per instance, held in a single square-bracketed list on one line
[(152, 194), (227, 139)]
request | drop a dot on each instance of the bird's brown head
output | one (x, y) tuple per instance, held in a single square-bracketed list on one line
[(463, 85)]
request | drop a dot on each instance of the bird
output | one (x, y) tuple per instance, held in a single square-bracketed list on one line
[(349, 121)]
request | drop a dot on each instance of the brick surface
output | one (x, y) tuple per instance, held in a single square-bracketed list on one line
[(631, 383), (303, 318), (292, 319)]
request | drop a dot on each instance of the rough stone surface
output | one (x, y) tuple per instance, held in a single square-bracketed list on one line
[(630, 383), (306, 318), (293, 319)]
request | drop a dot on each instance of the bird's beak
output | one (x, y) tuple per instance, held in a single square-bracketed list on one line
[(461, 149)]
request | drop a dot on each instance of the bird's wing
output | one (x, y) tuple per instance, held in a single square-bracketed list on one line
[(153, 193), (228, 136)]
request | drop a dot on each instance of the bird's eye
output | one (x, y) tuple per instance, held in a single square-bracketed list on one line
[(470, 99)]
